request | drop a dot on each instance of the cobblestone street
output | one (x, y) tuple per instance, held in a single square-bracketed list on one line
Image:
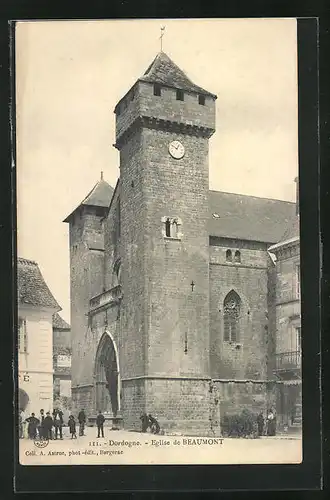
[(124, 447)]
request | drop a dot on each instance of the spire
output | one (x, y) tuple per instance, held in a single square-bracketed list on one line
[(164, 71), (99, 196)]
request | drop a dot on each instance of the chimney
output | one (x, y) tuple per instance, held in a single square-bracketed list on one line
[(297, 195)]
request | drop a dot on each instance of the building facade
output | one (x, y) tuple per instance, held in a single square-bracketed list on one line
[(36, 306), (173, 309), (288, 327), (61, 358)]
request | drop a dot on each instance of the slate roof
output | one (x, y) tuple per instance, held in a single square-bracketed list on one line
[(32, 288), (59, 323), (293, 229), (99, 196), (164, 71), (238, 216)]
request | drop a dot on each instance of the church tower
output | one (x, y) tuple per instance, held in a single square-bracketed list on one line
[(163, 126)]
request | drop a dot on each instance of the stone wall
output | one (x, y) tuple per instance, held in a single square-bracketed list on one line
[(142, 102), (180, 405), (86, 280), (247, 357), (235, 396), (112, 240), (177, 312), (133, 262)]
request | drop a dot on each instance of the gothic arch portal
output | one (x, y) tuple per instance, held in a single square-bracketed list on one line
[(106, 375)]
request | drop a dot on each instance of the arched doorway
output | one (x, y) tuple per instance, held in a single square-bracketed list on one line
[(23, 400), (107, 381)]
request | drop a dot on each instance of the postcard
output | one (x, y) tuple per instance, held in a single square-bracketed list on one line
[(159, 317)]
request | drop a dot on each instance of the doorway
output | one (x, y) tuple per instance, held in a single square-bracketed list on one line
[(107, 384)]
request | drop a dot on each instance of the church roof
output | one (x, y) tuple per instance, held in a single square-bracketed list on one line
[(99, 196), (32, 288), (290, 236), (59, 323), (238, 216), (292, 230), (164, 71)]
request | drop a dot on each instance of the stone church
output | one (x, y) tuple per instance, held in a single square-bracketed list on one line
[(173, 288)]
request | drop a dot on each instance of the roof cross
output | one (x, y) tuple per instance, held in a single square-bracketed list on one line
[(162, 29)]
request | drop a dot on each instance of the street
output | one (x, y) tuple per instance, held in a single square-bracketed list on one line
[(124, 447)]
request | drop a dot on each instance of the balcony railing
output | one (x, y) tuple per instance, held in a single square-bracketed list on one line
[(288, 360), (112, 296)]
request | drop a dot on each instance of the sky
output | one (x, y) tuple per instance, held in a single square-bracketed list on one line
[(71, 74)]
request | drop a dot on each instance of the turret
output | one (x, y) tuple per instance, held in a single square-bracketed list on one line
[(86, 264)]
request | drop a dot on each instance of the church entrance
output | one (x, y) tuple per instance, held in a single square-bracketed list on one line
[(107, 384)]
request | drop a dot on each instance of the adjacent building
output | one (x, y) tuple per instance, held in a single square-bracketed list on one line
[(61, 358), (287, 359), (36, 307)]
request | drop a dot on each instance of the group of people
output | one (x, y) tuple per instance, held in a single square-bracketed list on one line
[(49, 426), (148, 421), (267, 426)]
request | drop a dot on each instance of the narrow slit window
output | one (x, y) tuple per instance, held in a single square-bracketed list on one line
[(229, 257), (168, 228), (157, 90), (179, 95), (201, 100)]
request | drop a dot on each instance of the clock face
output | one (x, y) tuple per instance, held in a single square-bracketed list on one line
[(176, 149)]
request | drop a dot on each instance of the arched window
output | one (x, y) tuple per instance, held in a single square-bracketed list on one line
[(229, 257), (237, 256), (231, 314)]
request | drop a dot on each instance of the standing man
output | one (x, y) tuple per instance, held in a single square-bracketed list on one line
[(145, 422), (260, 423), (82, 421), (32, 427), (41, 429), (58, 422), (99, 422), (47, 427)]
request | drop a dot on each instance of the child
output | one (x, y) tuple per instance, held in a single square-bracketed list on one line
[(72, 427)]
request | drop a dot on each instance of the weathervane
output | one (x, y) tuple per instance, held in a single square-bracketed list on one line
[(162, 29)]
